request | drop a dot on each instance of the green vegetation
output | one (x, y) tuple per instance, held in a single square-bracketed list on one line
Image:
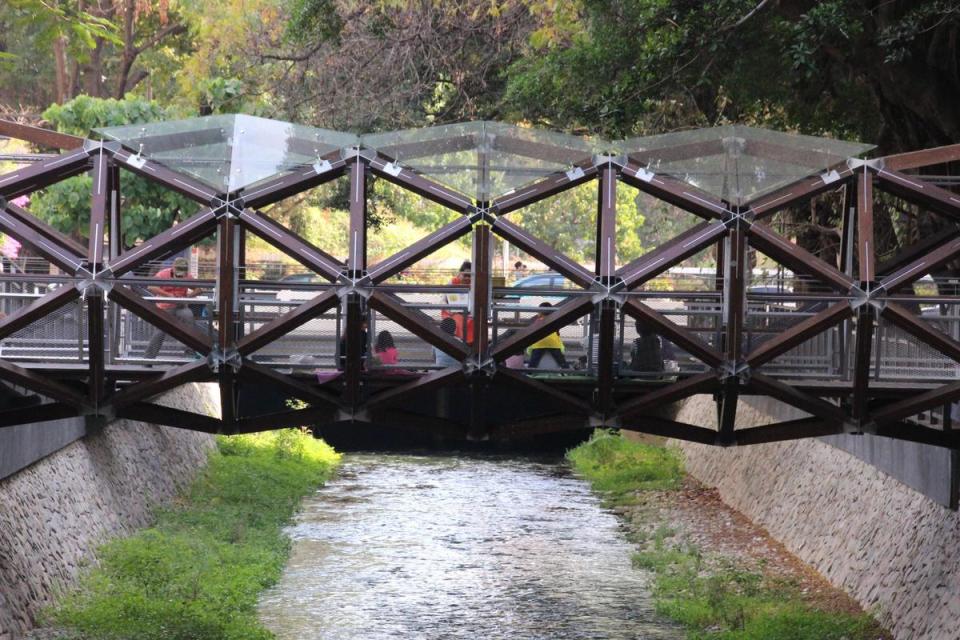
[(619, 468), (711, 597), (197, 572)]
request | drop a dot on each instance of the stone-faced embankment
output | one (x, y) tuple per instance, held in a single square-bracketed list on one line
[(893, 549), (55, 512)]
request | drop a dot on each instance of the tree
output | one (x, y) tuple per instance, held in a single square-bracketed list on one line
[(95, 44), (147, 208), (388, 64), (880, 70)]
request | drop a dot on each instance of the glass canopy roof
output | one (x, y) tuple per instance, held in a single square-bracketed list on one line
[(229, 152), (485, 160), (736, 163)]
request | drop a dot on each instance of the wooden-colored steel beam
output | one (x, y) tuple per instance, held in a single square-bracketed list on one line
[(516, 378), (675, 192), (796, 258), (546, 188), (282, 325), (170, 417), (38, 175), (799, 333), (256, 373), (38, 309), (923, 158), (168, 242), (677, 334), (328, 168), (915, 190), (428, 382), (197, 371), (564, 314), (791, 430), (420, 185), (652, 264), (188, 334), (641, 405), (672, 429), (801, 191), (418, 323), (293, 245), (39, 137), (175, 181), (556, 260), (391, 266)]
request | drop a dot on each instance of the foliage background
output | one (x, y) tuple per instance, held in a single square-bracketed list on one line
[(883, 71)]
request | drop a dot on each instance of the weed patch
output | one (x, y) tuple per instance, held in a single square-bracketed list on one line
[(711, 597), (618, 468), (197, 572)]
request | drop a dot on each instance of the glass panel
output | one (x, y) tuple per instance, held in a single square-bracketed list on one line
[(738, 163), (482, 159), (230, 152)]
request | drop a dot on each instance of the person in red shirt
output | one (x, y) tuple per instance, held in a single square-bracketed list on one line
[(464, 322), (180, 310)]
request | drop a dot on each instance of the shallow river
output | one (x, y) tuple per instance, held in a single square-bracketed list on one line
[(455, 547)]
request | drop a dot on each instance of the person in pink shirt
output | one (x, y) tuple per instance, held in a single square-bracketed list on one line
[(384, 350)]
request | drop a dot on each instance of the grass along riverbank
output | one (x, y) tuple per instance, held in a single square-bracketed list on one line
[(197, 572), (710, 591)]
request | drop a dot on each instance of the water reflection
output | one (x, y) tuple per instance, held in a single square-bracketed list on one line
[(448, 547)]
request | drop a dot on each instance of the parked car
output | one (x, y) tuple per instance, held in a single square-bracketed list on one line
[(540, 281), (298, 295)]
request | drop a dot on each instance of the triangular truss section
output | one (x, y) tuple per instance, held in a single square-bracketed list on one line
[(736, 163)]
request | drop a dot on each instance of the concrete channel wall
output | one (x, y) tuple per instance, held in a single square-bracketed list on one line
[(55, 512), (889, 546)]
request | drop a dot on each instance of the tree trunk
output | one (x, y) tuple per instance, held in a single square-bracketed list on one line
[(60, 65)]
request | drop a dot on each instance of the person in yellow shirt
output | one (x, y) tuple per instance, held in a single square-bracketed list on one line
[(550, 345)]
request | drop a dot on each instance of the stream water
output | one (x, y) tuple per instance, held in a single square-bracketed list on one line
[(458, 547)]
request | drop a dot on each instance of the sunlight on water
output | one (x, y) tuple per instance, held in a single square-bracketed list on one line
[(453, 547)]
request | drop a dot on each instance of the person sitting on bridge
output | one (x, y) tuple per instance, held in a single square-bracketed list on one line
[(646, 354), (550, 346), (463, 327), (442, 358), (180, 310), (384, 351)]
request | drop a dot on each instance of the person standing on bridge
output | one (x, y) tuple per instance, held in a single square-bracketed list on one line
[(462, 319), (180, 310)]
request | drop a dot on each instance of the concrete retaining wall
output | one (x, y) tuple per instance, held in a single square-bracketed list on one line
[(54, 513), (889, 546)]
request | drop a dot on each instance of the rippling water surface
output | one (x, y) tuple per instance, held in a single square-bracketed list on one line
[(456, 547)]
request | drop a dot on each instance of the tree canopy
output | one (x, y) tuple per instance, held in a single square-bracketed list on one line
[(882, 71)]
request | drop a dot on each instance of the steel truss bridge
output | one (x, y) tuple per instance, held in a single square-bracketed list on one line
[(854, 345)]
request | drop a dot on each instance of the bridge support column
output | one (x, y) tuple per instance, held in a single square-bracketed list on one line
[(103, 200), (734, 286), (605, 270), (228, 233), (866, 314), (480, 295), (357, 341)]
